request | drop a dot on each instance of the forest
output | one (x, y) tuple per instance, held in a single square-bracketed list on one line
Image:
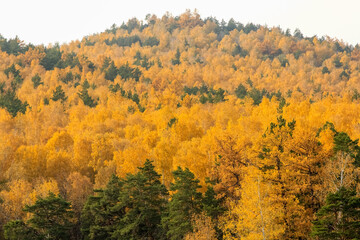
[(180, 127)]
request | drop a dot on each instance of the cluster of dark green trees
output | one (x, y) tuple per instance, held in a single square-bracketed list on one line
[(136, 207), (125, 71), (207, 95), (140, 207)]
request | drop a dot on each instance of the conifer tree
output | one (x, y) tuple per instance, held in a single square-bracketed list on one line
[(145, 199), (339, 218), (50, 219), (101, 214), (59, 94), (184, 204)]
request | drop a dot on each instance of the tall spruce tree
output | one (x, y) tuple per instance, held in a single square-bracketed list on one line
[(101, 213), (145, 199), (339, 218), (51, 218), (127, 208), (184, 204)]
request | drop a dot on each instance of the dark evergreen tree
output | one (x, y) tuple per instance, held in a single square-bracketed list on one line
[(111, 72), (85, 97), (339, 218), (36, 81), (241, 91), (137, 58), (51, 58), (145, 199), (102, 214), (11, 103), (151, 42), (325, 70), (15, 73), (184, 204), (176, 60), (69, 77), (18, 230), (211, 204), (59, 94), (51, 218)]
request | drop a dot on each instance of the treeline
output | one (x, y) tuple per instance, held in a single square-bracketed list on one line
[(138, 206), (263, 119)]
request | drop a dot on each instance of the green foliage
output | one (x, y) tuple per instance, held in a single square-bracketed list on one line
[(126, 72), (59, 94), (185, 202), (339, 218), (172, 122), (127, 208), (36, 80), (207, 95), (15, 73), (11, 103), (13, 46), (102, 214), (241, 91), (124, 41), (51, 218), (343, 143), (238, 51), (111, 72), (51, 58), (151, 42), (18, 230), (145, 199), (337, 63), (176, 60), (85, 97), (69, 60), (256, 95), (325, 70), (212, 205), (68, 78), (142, 61)]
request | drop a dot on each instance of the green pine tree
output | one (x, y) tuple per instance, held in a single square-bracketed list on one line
[(339, 218), (59, 94), (145, 199), (184, 204), (85, 97), (102, 213), (51, 218), (176, 60)]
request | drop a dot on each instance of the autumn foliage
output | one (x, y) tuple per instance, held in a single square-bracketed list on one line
[(266, 119)]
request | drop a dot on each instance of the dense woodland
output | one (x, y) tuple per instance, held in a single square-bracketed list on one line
[(180, 128)]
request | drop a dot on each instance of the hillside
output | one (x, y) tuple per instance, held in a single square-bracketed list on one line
[(265, 119)]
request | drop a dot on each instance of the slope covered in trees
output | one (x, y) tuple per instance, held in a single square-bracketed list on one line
[(251, 133)]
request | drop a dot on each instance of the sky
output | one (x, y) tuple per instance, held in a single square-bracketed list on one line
[(50, 21)]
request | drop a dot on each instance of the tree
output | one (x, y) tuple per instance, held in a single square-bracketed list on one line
[(184, 203), (12, 104), (51, 58), (145, 200), (176, 60), (111, 72), (59, 94), (127, 208), (51, 218), (85, 97), (36, 80), (101, 214), (17, 230), (339, 218), (241, 91)]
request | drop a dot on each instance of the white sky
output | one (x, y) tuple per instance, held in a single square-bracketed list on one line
[(49, 21)]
